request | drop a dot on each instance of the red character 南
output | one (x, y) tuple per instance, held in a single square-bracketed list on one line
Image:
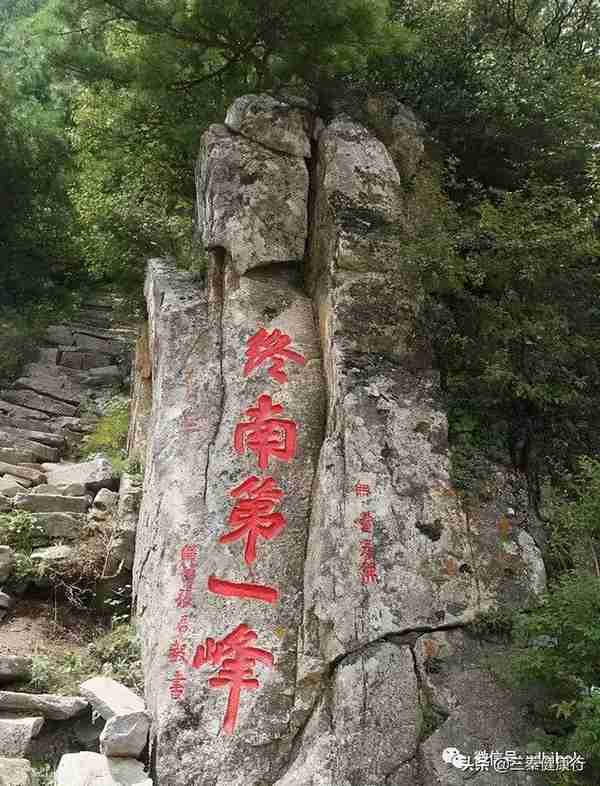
[(236, 658), (265, 434), (253, 514), (273, 346)]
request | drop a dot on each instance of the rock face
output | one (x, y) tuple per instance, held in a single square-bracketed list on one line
[(298, 529)]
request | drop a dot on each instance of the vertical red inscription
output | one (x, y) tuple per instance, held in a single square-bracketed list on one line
[(236, 659), (266, 435), (253, 514), (177, 685), (362, 490), (272, 346)]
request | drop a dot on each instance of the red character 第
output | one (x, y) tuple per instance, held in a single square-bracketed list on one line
[(265, 434), (272, 346), (236, 658), (253, 514)]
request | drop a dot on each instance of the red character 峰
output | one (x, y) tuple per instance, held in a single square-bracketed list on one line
[(265, 434), (253, 514), (236, 658), (272, 346)]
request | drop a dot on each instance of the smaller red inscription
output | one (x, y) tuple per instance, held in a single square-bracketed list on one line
[(184, 598), (183, 626), (368, 569), (365, 521), (177, 685), (236, 659), (189, 553), (233, 589), (362, 490), (177, 652), (253, 514), (266, 435), (192, 423), (272, 346)]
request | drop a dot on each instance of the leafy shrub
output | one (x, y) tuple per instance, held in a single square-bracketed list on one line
[(19, 530), (110, 434)]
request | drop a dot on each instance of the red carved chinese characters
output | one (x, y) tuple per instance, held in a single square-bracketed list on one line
[(188, 556), (265, 434), (236, 658), (272, 346), (362, 490), (253, 514), (176, 652), (177, 685), (234, 589)]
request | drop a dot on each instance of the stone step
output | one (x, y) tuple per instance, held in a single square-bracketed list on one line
[(43, 403), (16, 772), (44, 437), (108, 345), (42, 452), (29, 424), (16, 734), (10, 487), (21, 481), (19, 471), (50, 503), (17, 456), (59, 334), (82, 359), (60, 525), (13, 410), (58, 388), (94, 474)]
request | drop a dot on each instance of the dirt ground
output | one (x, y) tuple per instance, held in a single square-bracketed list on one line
[(38, 627)]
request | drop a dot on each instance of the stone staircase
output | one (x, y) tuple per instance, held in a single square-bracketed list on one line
[(44, 416)]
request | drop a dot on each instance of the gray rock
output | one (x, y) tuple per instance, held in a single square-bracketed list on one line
[(109, 697), (82, 769), (54, 554), (10, 487), (60, 525), (27, 424), (107, 375), (17, 772), (48, 705), (272, 123), (7, 559), (106, 500), (32, 400), (125, 735), (59, 334), (5, 503), (84, 360), (14, 668), (94, 475), (251, 201), (12, 456), (65, 490), (126, 519), (40, 452), (16, 734), (6, 601), (51, 503), (34, 475), (49, 355), (44, 437)]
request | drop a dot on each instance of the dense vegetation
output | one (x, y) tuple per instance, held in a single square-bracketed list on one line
[(102, 103)]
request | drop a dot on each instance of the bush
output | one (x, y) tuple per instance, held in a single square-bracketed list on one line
[(110, 435), (20, 531)]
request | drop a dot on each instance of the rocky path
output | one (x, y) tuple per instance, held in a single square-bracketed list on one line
[(44, 417)]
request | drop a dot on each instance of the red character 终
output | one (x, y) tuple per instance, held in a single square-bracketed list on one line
[(236, 658), (273, 346), (253, 514), (265, 434)]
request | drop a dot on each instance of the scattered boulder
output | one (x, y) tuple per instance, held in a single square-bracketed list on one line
[(61, 388), (16, 734), (50, 503), (106, 500), (53, 554), (14, 668), (81, 769), (47, 705), (16, 772), (125, 735), (109, 698), (7, 559), (44, 437), (94, 475)]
